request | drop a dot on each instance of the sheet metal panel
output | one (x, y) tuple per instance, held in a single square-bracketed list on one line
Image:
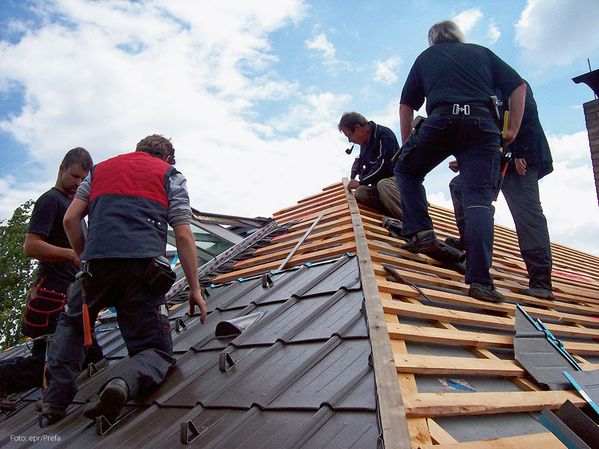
[(301, 375)]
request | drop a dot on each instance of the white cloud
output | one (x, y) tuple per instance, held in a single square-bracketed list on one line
[(322, 44), (558, 31), (327, 50), (493, 33), (468, 19), (386, 70), (99, 79)]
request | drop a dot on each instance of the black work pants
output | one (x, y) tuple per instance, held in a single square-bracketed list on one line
[(522, 196), (119, 283), (474, 141)]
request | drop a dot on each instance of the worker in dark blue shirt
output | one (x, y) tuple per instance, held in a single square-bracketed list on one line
[(457, 81), (531, 161), (376, 187)]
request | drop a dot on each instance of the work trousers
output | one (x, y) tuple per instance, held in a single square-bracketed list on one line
[(474, 141), (120, 283), (385, 197), (522, 196)]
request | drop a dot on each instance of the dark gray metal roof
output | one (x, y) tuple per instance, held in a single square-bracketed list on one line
[(300, 375)]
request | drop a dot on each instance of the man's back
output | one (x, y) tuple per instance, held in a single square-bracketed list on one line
[(128, 206)]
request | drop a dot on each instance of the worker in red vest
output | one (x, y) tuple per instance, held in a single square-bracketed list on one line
[(130, 199)]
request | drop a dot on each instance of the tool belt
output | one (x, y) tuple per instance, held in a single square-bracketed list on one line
[(43, 308), (159, 275), (465, 110)]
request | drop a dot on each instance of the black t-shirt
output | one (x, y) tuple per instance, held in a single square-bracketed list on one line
[(460, 73), (46, 220)]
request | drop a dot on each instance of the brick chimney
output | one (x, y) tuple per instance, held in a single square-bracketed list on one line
[(591, 115)]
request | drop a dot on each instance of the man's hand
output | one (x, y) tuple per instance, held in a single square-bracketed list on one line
[(353, 184), (196, 299), (74, 257), (520, 165), (453, 166)]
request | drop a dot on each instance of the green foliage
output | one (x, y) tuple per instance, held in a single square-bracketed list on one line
[(16, 274)]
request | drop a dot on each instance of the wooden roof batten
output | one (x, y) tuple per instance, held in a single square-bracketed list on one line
[(429, 306)]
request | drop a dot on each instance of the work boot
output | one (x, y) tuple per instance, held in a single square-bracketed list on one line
[(423, 242), (485, 292), (50, 413), (110, 402), (394, 226), (538, 292), (457, 243)]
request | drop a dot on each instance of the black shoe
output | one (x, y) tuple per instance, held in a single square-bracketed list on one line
[(538, 292), (50, 413), (111, 401), (485, 292), (457, 243), (423, 242), (394, 226)]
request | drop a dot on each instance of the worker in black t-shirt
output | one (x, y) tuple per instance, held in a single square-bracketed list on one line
[(457, 81), (47, 242)]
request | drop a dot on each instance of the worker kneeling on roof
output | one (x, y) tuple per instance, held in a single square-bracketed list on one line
[(130, 199), (376, 187)]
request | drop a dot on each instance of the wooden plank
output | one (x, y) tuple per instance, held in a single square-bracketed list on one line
[(305, 210), (534, 441), (429, 364), (418, 427), (433, 335), (328, 253), (438, 433), (330, 240), (432, 280), (504, 307), (291, 237), (391, 409), (483, 403), (476, 319)]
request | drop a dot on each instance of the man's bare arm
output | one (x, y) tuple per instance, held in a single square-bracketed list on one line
[(186, 248), (406, 115), (517, 101), (72, 224), (38, 248)]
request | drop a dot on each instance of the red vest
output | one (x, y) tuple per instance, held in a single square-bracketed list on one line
[(128, 207)]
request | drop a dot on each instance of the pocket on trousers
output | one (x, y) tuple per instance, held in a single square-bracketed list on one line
[(159, 276), (488, 126)]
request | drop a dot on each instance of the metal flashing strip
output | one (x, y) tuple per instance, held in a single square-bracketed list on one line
[(540, 353), (392, 414), (299, 243), (571, 426), (587, 385)]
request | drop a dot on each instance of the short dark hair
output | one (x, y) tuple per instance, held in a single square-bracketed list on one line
[(79, 156), (349, 120), (157, 146)]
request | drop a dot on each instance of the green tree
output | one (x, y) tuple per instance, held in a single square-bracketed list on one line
[(16, 274)]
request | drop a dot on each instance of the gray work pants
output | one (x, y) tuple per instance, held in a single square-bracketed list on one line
[(385, 197)]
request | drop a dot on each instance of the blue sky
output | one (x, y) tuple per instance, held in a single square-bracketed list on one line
[(250, 92)]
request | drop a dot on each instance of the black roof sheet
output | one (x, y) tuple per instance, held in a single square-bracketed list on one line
[(300, 375)]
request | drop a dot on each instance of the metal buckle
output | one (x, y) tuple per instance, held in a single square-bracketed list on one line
[(456, 109)]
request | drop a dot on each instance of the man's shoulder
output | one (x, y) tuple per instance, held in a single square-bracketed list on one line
[(52, 196), (385, 131)]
